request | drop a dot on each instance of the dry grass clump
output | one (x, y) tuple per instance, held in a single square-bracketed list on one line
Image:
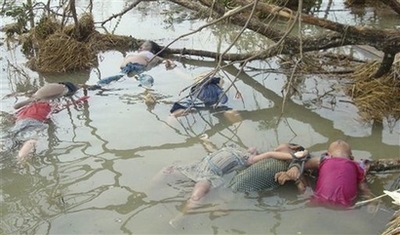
[(103, 42), (46, 27), (393, 227), (376, 98), (85, 28), (70, 48), (62, 49), (62, 53)]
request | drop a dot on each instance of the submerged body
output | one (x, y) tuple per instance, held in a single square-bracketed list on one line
[(30, 126), (340, 188), (340, 179), (50, 91), (135, 63), (207, 94), (259, 176), (214, 166), (141, 58)]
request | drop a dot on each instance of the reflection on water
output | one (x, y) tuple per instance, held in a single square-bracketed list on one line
[(97, 173)]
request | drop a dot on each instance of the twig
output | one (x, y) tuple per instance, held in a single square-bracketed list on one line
[(233, 43), (372, 199), (130, 7), (298, 17), (226, 15)]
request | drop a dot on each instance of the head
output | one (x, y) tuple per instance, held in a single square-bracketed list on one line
[(72, 88), (150, 46), (289, 148), (340, 148)]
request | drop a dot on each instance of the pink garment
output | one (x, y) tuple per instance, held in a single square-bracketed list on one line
[(37, 110), (337, 182)]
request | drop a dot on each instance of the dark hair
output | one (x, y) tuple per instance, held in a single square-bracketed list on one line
[(72, 88), (155, 48), (297, 147)]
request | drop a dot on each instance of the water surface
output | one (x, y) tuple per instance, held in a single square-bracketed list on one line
[(96, 173)]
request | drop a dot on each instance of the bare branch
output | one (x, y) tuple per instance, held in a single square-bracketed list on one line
[(130, 7)]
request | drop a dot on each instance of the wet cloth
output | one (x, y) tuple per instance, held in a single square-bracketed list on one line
[(215, 165), (208, 94), (39, 111), (259, 176), (26, 129), (145, 80), (30, 124), (127, 69), (337, 182), (71, 88)]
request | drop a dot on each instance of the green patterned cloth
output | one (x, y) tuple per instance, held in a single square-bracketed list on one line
[(259, 176)]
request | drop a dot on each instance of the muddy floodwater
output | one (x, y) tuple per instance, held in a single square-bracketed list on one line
[(96, 171)]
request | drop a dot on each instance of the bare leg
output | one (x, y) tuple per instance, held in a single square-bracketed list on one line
[(200, 190), (301, 184), (27, 148), (48, 91)]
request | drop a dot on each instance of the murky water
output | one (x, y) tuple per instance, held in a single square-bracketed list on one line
[(96, 173)]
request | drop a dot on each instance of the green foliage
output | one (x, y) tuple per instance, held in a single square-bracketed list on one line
[(20, 14)]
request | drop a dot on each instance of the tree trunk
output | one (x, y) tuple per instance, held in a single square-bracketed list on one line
[(336, 35), (385, 66), (394, 4)]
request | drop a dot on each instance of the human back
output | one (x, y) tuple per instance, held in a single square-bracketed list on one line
[(338, 176), (337, 181)]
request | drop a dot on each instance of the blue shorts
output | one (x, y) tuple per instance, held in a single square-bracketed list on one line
[(129, 68), (133, 68)]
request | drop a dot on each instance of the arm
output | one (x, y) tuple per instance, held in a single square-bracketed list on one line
[(312, 163), (365, 192), (156, 60), (276, 155), (294, 172)]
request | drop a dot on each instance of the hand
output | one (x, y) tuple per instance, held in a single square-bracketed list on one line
[(169, 64), (293, 147), (293, 173), (250, 160), (252, 151), (282, 177), (301, 184)]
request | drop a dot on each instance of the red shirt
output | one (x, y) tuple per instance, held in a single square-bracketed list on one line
[(37, 110), (337, 182)]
